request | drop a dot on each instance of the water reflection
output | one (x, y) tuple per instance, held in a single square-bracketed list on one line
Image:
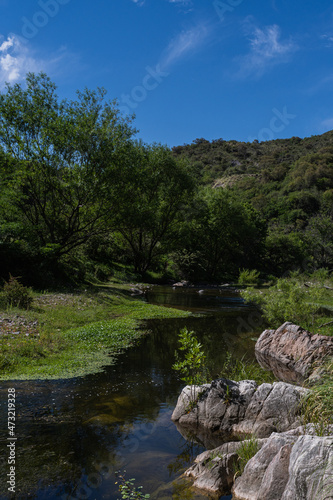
[(74, 434)]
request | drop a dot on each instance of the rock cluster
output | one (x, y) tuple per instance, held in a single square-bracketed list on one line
[(293, 463), (289, 466), (16, 325), (235, 409)]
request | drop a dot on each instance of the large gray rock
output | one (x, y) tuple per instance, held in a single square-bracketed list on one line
[(289, 466), (291, 352), (216, 406), (234, 409), (310, 469), (213, 471), (273, 408), (267, 472)]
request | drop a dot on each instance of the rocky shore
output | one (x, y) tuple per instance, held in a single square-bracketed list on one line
[(292, 461)]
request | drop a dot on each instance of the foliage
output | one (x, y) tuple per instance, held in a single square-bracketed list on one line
[(220, 233), (155, 188), (248, 277), (80, 198), (16, 295), (66, 153), (288, 300), (128, 489), (192, 366), (242, 369), (317, 405), (247, 450)]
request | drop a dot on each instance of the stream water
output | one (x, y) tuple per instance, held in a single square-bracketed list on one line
[(72, 435)]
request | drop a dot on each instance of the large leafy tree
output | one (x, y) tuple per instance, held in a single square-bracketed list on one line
[(67, 162), (155, 188), (221, 235)]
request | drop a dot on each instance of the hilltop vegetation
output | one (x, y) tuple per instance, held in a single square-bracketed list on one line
[(81, 198), (288, 181)]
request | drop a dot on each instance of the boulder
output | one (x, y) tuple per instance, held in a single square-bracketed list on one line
[(234, 409), (289, 466), (273, 408), (291, 352), (268, 468), (310, 469), (213, 471), (216, 406)]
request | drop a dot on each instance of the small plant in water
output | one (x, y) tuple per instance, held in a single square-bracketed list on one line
[(128, 490), (192, 367)]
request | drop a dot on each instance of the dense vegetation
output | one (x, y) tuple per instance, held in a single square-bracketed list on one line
[(81, 198), (288, 181)]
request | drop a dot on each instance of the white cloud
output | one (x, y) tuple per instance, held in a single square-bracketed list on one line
[(184, 44), (16, 60), (267, 49)]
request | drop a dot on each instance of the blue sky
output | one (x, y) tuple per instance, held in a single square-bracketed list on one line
[(233, 69)]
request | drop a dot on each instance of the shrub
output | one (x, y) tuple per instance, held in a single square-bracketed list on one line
[(288, 300), (248, 277), (192, 366), (16, 295)]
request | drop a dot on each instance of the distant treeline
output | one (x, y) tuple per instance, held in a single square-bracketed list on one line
[(82, 199)]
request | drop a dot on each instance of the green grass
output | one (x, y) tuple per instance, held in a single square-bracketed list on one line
[(76, 334), (242, 369), (245, 452), (317, 405)]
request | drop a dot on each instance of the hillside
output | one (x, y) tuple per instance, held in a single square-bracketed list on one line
[(290, 183), (271, 159)]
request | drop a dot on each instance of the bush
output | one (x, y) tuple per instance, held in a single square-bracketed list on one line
[(192, 367), (128, 490), (288, 300), (16, 295), (248, 277)]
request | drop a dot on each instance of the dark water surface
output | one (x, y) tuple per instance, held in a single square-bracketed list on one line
[(72, 435)]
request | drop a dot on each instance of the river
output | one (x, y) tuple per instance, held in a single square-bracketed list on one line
[(72, 435)]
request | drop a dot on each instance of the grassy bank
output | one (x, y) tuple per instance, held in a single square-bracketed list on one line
[(67, 335)]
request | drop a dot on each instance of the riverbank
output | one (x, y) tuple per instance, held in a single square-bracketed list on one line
[(72, 334)]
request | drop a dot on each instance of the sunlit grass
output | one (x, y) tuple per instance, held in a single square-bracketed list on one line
[(76, 334)]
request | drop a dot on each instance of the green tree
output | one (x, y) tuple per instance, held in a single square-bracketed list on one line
[(223, 234), (155, 188), (67, 162)]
